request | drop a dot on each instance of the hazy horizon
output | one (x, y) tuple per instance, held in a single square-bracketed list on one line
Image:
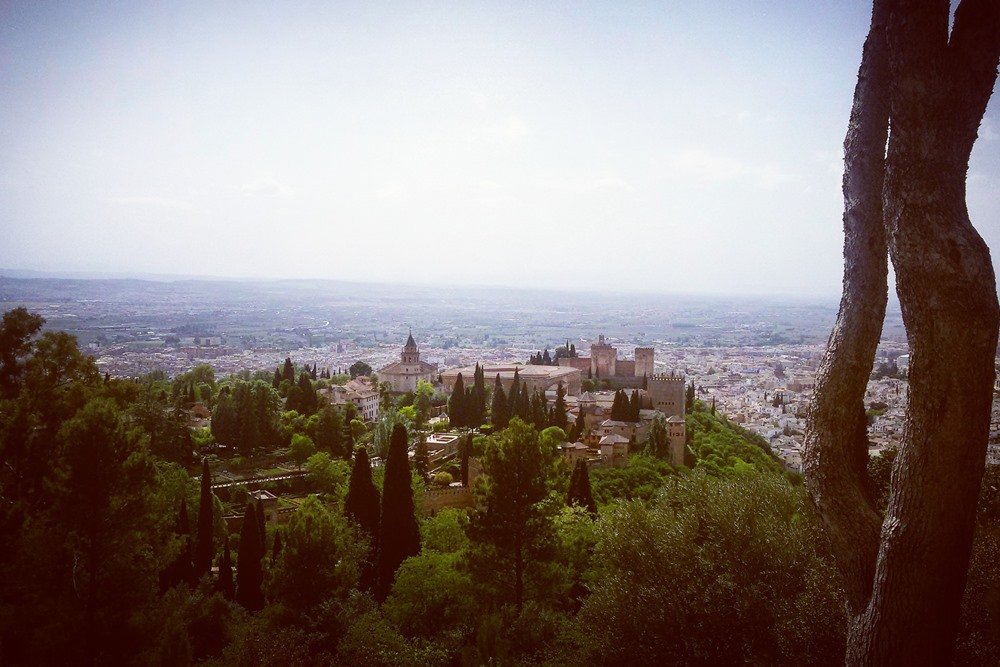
[(657, 148)]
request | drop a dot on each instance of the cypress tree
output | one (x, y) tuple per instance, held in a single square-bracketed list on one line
[(456, 404), (581, 424), (225, 583), (572, 349), (539, 416), (634, 407), (249, 574), (288, 372), (479, 384), (616, 407), (559, 408), (180, 570), (276, 551), (312, 373), (204, 544), (262, 530), (498, 407), (276, 380), (399, 536), (512, 395), (348, 439), (308, 400), (546, 359), (579, 488), (421, 458), (361, 505), (523, 404)]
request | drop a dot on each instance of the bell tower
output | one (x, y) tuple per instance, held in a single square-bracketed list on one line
[(410, 355)]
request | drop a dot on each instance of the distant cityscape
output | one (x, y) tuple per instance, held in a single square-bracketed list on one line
[(754, 359)]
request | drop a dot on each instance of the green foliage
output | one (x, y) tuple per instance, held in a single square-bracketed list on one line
[(362, 507), (204, 549), (382, 433), (639, 479), (330, 432), (16, 331), (246, 416), (658, 444), (499, 412), (728, 572), (301, 449), (326, 474), (579, 488), (249, 571), (512, 528), (718, 445), (559, 408), (457, 410), (399, 536), (359, 368), (431, 596), (319, 558), (445, 531)]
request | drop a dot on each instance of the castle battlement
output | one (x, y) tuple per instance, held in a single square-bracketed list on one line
[(667, 377)]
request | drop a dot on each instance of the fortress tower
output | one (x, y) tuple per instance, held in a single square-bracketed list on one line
[(602, 359), (666, 391), (644, 362)]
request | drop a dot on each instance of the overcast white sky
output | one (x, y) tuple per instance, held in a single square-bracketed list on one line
[(666, 146)]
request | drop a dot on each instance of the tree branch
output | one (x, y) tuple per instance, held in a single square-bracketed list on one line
[(974, 53)]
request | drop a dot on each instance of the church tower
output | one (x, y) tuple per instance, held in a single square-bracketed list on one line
[(410, 355)]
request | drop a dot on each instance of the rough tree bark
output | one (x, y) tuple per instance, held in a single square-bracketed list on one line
[(905, 574)]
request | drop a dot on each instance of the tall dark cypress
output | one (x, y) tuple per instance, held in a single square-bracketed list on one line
[(362, 506), (523, 404), (456, 405), (559, 408), (634, 407), (539, 416), (399, 536), (204, 546), (180, 570), (479, 386), (225, 582), (421, 458), (249, 574), (276, 551), (513, 400), (276, 380), (288, 371), (581, 424), (498, 408), (579, 488), (616, 407), (348, 443), (261, 529)]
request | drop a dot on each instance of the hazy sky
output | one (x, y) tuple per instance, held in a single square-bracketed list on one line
[(668, 146)]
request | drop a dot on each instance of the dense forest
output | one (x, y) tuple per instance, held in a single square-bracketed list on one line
[(116, 549)]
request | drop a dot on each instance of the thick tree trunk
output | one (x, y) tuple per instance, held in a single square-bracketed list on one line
[(905, 601), (836, 450)]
